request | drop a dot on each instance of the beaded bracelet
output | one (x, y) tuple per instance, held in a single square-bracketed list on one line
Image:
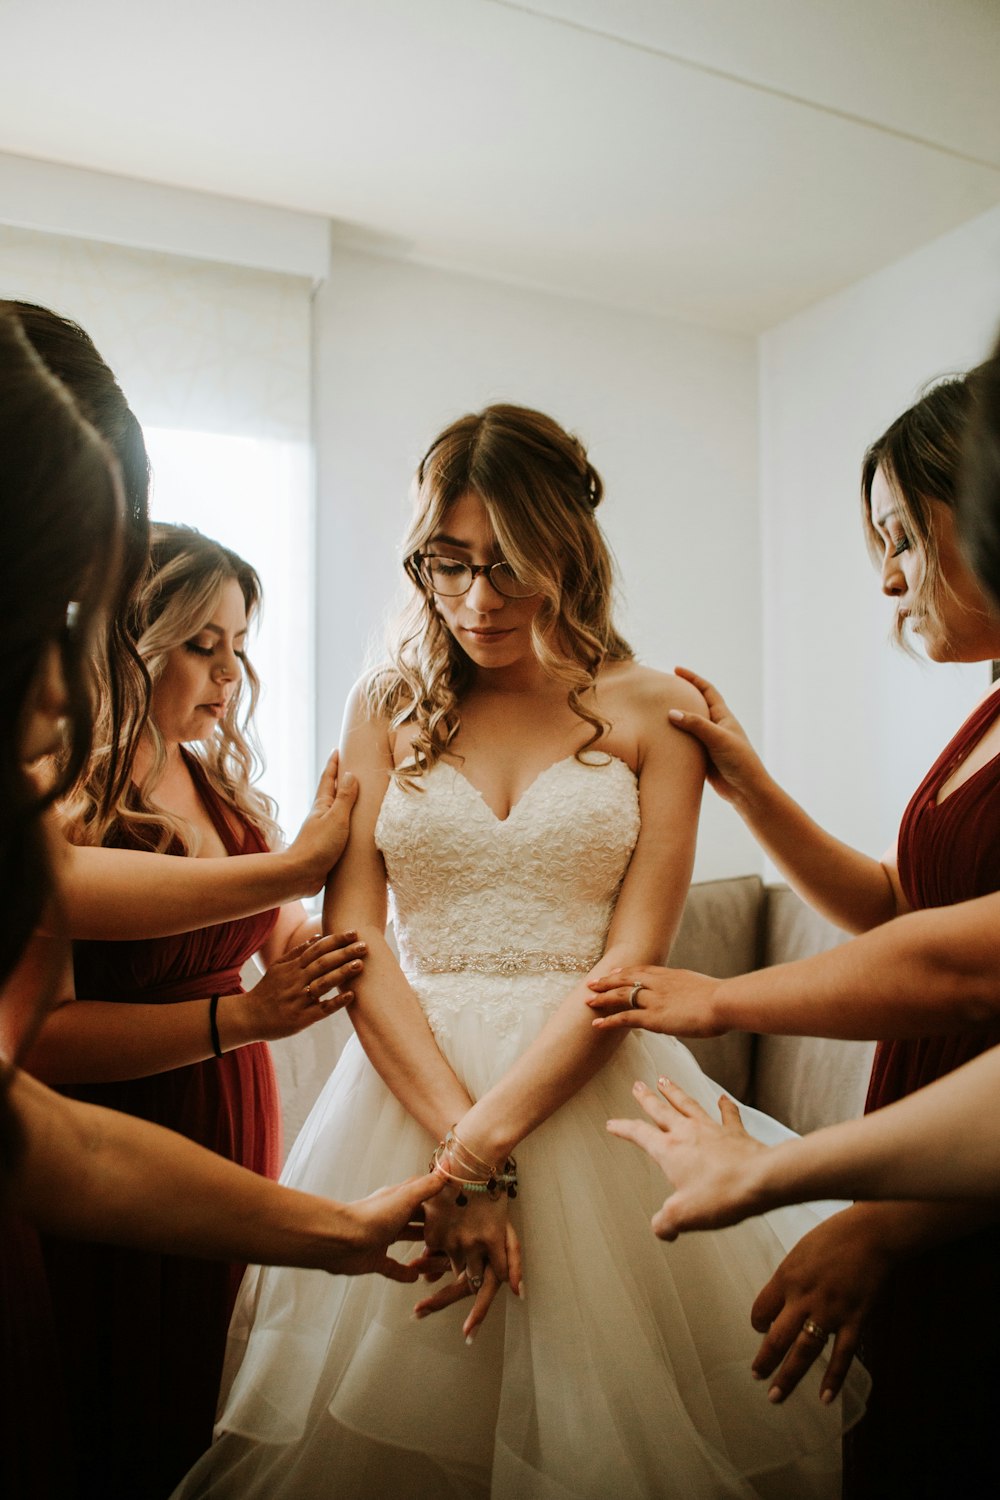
[(499, 1181)]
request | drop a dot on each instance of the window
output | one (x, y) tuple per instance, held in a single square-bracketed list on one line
[(215, 362)]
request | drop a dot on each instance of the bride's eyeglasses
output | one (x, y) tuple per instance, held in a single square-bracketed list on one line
[(448, 576)]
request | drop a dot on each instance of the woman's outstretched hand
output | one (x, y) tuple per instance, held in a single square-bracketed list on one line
[(677, 1002), (482, 1246), (735, 769), (709, 1163), (378, 1221), (320, 841), (293, 993)]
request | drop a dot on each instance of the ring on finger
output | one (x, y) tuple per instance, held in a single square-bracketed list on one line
[(474, 1280), (813, 1330), (309, 990), (633, 998)]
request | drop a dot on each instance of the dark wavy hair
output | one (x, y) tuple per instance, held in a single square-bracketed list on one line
[(920, 454), (70, 355), (62, 511)]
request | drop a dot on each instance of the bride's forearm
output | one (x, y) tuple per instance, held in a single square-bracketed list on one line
[(564, 1056), (400, 1045)]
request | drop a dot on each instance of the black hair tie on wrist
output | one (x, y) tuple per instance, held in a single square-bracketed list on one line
[(213, 1024)]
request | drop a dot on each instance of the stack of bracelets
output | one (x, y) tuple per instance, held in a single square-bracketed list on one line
[(469, 1169)]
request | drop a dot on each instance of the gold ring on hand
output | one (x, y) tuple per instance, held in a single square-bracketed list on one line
[(813, 1330), (633, 999)]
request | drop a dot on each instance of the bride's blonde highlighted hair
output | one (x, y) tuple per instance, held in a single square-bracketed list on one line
[(540, 492), (177, 598)]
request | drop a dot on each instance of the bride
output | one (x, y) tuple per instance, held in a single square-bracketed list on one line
[(535, 824)]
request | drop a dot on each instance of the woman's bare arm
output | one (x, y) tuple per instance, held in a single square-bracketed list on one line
[(95, 1174), (112, 894), (848, 887), (935, 1143), (98, 1041), (563, 1056), (927, 973), (386, 1014)]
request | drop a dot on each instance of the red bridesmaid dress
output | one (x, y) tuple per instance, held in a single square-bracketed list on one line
[(930, 1343), (143, 1335)]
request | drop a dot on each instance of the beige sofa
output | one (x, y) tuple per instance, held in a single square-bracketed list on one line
[(733, 926), (729, 927)]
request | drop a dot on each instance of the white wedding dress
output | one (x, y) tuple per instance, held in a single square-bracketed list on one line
[(624, 1374)]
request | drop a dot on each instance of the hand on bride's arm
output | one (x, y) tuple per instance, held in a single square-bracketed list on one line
[(483, 1248), (711, 1165), (675, 1001), (322, 838)]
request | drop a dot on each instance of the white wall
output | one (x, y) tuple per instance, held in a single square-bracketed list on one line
[(668, 413), (850, 725)]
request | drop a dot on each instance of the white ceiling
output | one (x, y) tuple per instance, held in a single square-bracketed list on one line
[(723, 161)]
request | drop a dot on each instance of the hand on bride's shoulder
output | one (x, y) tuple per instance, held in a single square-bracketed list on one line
[(735, 770)]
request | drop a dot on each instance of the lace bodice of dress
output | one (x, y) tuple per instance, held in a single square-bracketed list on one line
[(532, 893)]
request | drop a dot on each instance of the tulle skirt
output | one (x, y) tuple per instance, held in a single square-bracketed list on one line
[(624, 1371)]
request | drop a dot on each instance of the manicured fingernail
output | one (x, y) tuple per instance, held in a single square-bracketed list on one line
[(469, 1337), (356, 965), (638, 1087), (522, 1291), (675, 716), (775, 1394), (663, 1082), (826, 1396)]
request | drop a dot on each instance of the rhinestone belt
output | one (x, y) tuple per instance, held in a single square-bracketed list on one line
[(507, 961)]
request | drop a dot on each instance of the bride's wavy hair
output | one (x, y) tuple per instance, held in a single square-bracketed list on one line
[(540, 492), (178, 596)]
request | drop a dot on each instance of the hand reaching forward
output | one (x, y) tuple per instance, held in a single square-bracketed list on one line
[(482, 1245), (825, 1287), (677, 1002), (735, 769), (709, 1164), (320, 841), (378, 1221)]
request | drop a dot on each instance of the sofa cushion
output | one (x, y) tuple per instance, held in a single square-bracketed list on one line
[(720, 935), (806, 1082)]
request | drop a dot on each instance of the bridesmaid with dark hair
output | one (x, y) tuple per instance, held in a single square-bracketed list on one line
[(901, 1283)]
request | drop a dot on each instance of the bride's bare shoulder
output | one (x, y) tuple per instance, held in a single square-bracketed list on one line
[(628, 688)]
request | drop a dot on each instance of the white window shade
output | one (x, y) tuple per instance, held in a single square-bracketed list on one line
[(215, 362)]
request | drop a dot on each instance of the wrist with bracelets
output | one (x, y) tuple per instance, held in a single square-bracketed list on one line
[(469, 1170)]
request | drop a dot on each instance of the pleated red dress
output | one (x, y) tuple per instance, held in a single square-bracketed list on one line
[(931, 1342), (143, 1335)]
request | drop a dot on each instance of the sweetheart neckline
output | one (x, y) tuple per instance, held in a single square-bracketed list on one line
[(546, 771)]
